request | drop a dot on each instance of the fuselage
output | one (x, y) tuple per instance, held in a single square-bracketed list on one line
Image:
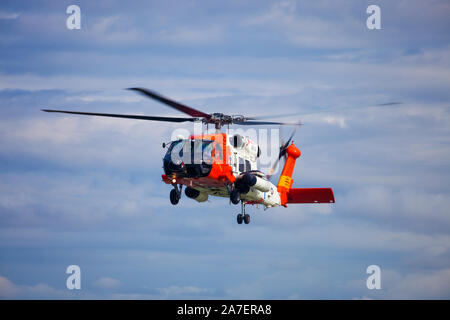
[(212, 164)]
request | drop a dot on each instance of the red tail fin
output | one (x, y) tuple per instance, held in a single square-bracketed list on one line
[(310, 195)]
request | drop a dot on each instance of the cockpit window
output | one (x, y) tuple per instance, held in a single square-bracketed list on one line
[(190, 151), (174, 143), (175, 151), (189, 158)]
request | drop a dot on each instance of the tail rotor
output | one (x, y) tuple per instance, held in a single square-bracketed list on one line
[(282, 152)]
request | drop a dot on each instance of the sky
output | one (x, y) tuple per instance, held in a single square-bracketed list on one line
[(87, 191)]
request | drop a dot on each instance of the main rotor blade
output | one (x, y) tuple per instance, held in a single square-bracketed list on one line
[(255, 123), (180, 107), (386, 104), (126, 116), (274, 116)]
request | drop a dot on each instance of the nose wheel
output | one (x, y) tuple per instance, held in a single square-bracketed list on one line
[(243, 217), (175, 194)]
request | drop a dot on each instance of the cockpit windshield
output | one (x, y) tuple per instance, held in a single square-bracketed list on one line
[(190, 151)]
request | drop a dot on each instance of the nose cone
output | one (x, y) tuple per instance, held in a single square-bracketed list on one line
[(293, 151)]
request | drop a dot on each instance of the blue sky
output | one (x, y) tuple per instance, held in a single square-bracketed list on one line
[(85, 191)]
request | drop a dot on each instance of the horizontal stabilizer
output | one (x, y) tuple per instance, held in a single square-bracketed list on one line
[(310, 195)]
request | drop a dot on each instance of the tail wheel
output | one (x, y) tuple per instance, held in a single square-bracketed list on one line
[(174, 197)]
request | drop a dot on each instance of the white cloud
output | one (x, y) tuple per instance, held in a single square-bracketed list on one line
[(190, 36), (107, 283), (78, 140), (404, 207), (105, 98), (10, 290), (116, 29), (331, 119), (8, 15), (37, 200), (186, 291), (419, 285), (307, 30), (429, 284), (103, 24)]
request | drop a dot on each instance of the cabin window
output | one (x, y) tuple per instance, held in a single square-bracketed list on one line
[(207, 148), (241, 165), (218, 151), (202, 149), (248, 167)]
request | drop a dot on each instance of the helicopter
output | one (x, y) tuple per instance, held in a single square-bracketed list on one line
[(223, 165)]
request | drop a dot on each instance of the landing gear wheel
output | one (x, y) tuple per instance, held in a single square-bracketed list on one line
[(246, 218), (174, 197), (239, 218), (235, 196)]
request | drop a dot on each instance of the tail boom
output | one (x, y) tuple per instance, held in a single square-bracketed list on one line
[(299, 195), (285, 182)]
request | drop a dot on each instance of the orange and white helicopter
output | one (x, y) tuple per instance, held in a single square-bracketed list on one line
[(222, 165)]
